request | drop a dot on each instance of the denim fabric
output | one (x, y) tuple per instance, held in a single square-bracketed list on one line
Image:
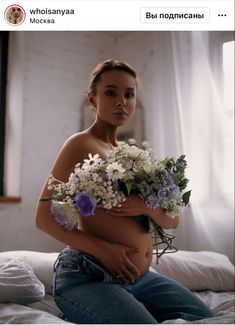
[(88, 294)]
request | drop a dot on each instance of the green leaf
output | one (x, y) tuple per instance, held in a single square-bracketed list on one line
[(186, 197), (128, 187)]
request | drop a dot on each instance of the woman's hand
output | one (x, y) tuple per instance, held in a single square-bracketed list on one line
[(115, 258), (134, 206)]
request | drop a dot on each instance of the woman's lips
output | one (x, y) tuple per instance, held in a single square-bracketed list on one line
[(120, 114)]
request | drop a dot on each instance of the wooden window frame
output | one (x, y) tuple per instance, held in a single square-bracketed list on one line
[(4, 37)]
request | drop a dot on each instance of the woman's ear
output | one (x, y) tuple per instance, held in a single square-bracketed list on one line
[(91, 99)]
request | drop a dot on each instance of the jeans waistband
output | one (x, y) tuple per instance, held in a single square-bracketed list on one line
[(85, 262)]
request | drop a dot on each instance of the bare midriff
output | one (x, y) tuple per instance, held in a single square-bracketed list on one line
[(121, 230)]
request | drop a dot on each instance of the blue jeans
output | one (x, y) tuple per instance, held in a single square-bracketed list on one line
[(88, 294)]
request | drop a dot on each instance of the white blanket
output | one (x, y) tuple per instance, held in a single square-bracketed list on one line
[(221, 303)]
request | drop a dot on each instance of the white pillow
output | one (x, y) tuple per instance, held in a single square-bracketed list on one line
[(202, 270), (41, 263), (18, 283)]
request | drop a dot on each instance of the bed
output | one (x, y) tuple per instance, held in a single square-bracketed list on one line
[(25, 285)]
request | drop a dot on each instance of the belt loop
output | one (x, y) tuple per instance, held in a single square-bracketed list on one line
[(107, 277)]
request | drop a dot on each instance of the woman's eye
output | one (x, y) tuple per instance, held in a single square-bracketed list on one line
[(110, 92), (130, 95)]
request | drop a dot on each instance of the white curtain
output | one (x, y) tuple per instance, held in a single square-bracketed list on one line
[(189, 117)]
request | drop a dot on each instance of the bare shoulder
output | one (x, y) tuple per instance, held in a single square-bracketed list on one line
[(75, 149), (84, 143), (81, 143)]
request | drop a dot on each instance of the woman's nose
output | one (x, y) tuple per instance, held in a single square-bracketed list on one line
[(121, 101)]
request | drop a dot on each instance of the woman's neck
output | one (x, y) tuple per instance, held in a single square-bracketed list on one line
[(106, 133)]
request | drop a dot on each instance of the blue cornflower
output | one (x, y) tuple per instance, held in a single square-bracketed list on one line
[(85, 204)]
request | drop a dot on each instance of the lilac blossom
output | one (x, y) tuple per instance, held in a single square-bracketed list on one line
[(152, 201), (162, 194), (85, 204)]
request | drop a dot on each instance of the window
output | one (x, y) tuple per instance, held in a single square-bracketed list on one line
[(228, 93), (228, 69), (3, 77)]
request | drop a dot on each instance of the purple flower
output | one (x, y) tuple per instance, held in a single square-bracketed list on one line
[(60, 215), (116, 186), (85, 204), (162, 193), (173, 189), (152, 201)]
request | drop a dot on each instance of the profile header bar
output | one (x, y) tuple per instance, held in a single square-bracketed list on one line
[(116, 15)]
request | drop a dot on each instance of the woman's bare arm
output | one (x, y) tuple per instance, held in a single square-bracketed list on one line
[(134, 206), (160, 217)]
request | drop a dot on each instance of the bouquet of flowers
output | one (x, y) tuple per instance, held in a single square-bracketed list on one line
[(128, 169)]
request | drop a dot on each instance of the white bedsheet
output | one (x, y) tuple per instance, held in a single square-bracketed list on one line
[(19, 314), (222, 304)]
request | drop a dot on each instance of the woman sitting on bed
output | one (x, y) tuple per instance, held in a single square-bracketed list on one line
[(103, 276)]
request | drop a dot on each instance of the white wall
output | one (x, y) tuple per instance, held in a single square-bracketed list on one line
[(47, 80), (45, 90)]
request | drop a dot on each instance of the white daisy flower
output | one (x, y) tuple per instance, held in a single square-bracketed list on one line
[(92, 160), (115, 171)]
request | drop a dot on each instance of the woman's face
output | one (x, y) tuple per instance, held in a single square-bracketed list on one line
[(115, 98), (16, 12)]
